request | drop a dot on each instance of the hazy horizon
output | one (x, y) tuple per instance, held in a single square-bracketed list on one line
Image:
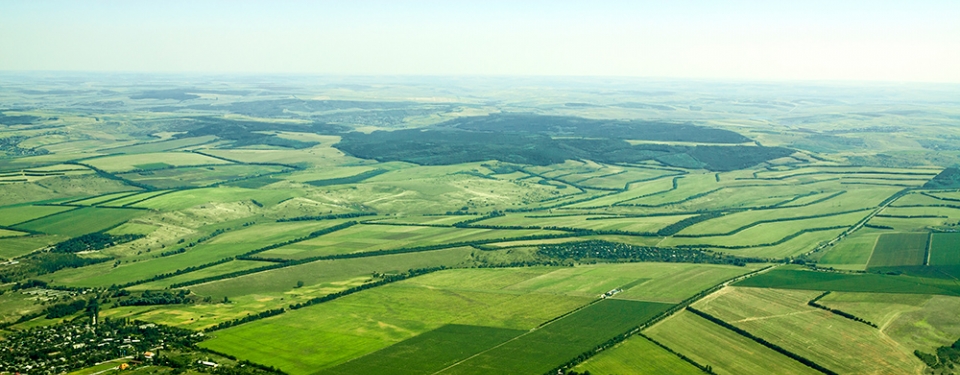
[(738, 40)]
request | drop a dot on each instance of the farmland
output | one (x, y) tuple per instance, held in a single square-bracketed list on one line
[(372, 228)]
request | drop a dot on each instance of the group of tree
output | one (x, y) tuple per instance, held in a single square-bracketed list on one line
[(614, 251), (149, 297), (92, 241), (946, 357)]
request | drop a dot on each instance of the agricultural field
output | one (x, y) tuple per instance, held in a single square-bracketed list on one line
[(779, 316), (900, 249), (356, 228)]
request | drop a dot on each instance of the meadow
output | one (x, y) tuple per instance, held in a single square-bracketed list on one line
[(900, 249), (945, 249)]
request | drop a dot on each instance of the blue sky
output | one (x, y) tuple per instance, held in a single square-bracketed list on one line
[(730, 40)]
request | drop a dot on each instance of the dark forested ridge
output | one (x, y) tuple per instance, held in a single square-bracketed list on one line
[(591, 128), (452, 146)]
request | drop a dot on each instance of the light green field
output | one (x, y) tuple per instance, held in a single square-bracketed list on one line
[(274, 289), (767, 233), (631, 224), (783, 318), (658, 282), (226, 245), (14, 215), (77, 222), (428, 220), (734, 221), (916, 199), (199, 176), (635, 190), (361, 238), (364, 322), (795, 246), (133, 228), (318, 155), (160, 146), (12, 247), (918, 322), (727, 352), (275, 283), (182, 199), (687, 186), (617, 181), (220, 269), (852, 250), (134, 198), (10, 233), (639, 356), (122, 163), (95, 200)]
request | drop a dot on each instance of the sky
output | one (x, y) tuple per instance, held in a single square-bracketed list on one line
[(769, 40)]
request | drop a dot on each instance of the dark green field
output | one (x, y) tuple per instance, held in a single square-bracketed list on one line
[(543, 349), (81, 221), (840, 282), (945, 249), (428, 352), (899, 249)]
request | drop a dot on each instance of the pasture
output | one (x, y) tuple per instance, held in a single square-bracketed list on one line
[(12, 247)]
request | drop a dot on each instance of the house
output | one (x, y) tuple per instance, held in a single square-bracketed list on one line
[(208, 363)]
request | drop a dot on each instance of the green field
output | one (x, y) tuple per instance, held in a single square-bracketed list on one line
[(12, 247), (368, 321), (639, 356), (541, 350), (900, 249), (200, 176), (428, 352), (727, 352), (782, 317), (945, 249), (853, 250), (10, 216), (785, 278), (122, 163), (362, 238), (77, 222)]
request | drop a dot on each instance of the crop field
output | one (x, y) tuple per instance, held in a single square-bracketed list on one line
[(11, 247), (363, 238), (900, 249), (182, 199), (540, 350), (123, 163), (10, 233), (853, 251), (226, 245), (897, 315), (428, 352), (782, 316), (75, 222), (93, 201), (10, 216), (220, 269), (632, 224), (160, 146), (639, 356), (768, 233), (200, 176), (727, 352), (945, 249), (635, 191), (787, 278), (332, 333), (795, 246)]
